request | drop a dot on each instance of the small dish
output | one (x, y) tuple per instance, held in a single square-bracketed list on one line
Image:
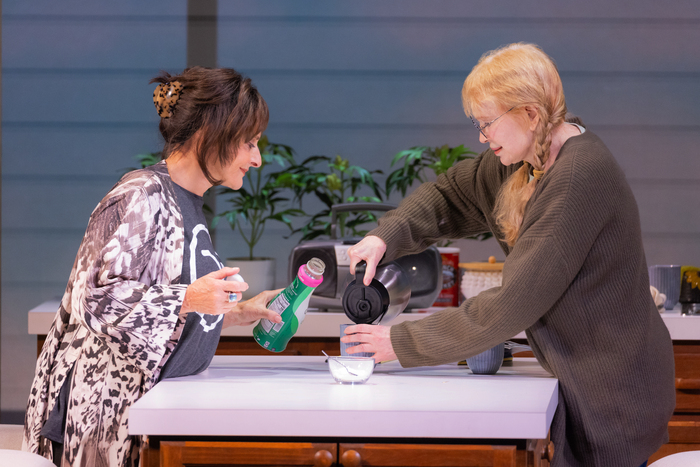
[(341, 369)]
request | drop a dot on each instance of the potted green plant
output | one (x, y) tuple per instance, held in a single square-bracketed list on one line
[(253, 205), (337, 182), (416, 163)]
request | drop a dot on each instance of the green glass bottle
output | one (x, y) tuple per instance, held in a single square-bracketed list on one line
[(291, 304)]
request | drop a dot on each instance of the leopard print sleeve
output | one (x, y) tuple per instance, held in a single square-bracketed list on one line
[(133, 317)]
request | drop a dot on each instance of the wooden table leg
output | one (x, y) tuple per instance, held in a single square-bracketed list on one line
[(539, 452), (150, 452)]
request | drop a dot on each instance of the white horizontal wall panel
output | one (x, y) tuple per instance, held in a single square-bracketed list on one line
[(451, 44), (367, 98), (83, 97), (435, 100), (104, 150), (56, 253), (51, 204), (654, 100), (95, 8), (669, 208), (666, 152), (56, 248), (83, 42), (601, 10), (672, 249)]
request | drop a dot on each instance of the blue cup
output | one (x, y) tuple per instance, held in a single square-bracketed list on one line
[(667, 280)]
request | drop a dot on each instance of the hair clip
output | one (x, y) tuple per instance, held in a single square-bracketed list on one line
[(165, 98)]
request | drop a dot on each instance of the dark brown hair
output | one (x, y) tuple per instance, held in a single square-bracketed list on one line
[(224, 105)]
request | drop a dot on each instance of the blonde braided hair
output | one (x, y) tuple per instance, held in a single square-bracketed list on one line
[(518, 75)]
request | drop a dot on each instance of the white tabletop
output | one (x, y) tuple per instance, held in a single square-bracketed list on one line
[(327, 324), (296, 396)]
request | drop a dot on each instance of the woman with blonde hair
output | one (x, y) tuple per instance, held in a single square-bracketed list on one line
[(575, 276)]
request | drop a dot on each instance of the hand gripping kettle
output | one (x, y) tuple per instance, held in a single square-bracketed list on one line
[(385, 297)]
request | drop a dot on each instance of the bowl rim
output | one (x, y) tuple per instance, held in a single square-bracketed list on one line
[(350, 357)]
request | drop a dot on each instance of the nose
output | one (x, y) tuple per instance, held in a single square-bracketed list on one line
[(255, 158), (482, 138)]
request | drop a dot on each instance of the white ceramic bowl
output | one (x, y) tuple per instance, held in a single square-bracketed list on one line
[(342, 369)]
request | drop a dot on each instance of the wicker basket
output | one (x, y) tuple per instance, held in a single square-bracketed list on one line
[(477, 277)]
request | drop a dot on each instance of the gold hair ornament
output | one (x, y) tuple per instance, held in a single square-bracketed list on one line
[(165, 97)]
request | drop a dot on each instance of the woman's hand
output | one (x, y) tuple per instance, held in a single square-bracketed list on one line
[(370, 249), (209, 294), (371, 338), (248, 312)]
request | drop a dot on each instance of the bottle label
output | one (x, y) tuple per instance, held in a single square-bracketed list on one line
[(278, 305), (270, 327), (291, 304)]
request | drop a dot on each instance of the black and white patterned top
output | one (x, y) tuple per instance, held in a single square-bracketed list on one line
[(117, 323), (200, 336)]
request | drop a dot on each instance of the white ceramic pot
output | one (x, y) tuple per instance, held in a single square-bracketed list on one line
[(259, 274)]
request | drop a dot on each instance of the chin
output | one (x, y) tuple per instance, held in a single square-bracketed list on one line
[(234, 186), (508, 161)]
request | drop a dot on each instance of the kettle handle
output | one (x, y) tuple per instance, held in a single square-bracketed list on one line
[(360, 269)]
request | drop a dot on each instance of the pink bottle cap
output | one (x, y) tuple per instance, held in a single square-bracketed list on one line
[(308, 280)]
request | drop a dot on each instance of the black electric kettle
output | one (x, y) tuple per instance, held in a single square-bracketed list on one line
[(385, 297)]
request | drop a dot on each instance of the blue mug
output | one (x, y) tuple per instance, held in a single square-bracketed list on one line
[(488, 362)]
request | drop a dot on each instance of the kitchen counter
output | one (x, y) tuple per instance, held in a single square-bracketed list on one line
[(283, 396), (327, 324), (320, 331), (316, 323)]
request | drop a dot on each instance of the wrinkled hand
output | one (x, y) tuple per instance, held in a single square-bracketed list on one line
[(370, 249), (248, 312), (209, 294), (372, 338)]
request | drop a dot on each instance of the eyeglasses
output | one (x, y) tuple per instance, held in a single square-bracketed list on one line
[(481, 128)]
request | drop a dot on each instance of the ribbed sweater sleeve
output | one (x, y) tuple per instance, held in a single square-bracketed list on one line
[(532, 283), (458, 204)]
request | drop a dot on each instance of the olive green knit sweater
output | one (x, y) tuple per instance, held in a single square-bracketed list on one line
[(576, 281)]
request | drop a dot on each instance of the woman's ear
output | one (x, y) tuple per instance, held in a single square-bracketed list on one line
[(533, 116)]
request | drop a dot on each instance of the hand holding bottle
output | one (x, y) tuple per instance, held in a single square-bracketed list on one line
[(248, 312), (291, 304)]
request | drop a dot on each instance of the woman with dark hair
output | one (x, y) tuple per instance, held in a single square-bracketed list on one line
[(147, 297), (575, 276)]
